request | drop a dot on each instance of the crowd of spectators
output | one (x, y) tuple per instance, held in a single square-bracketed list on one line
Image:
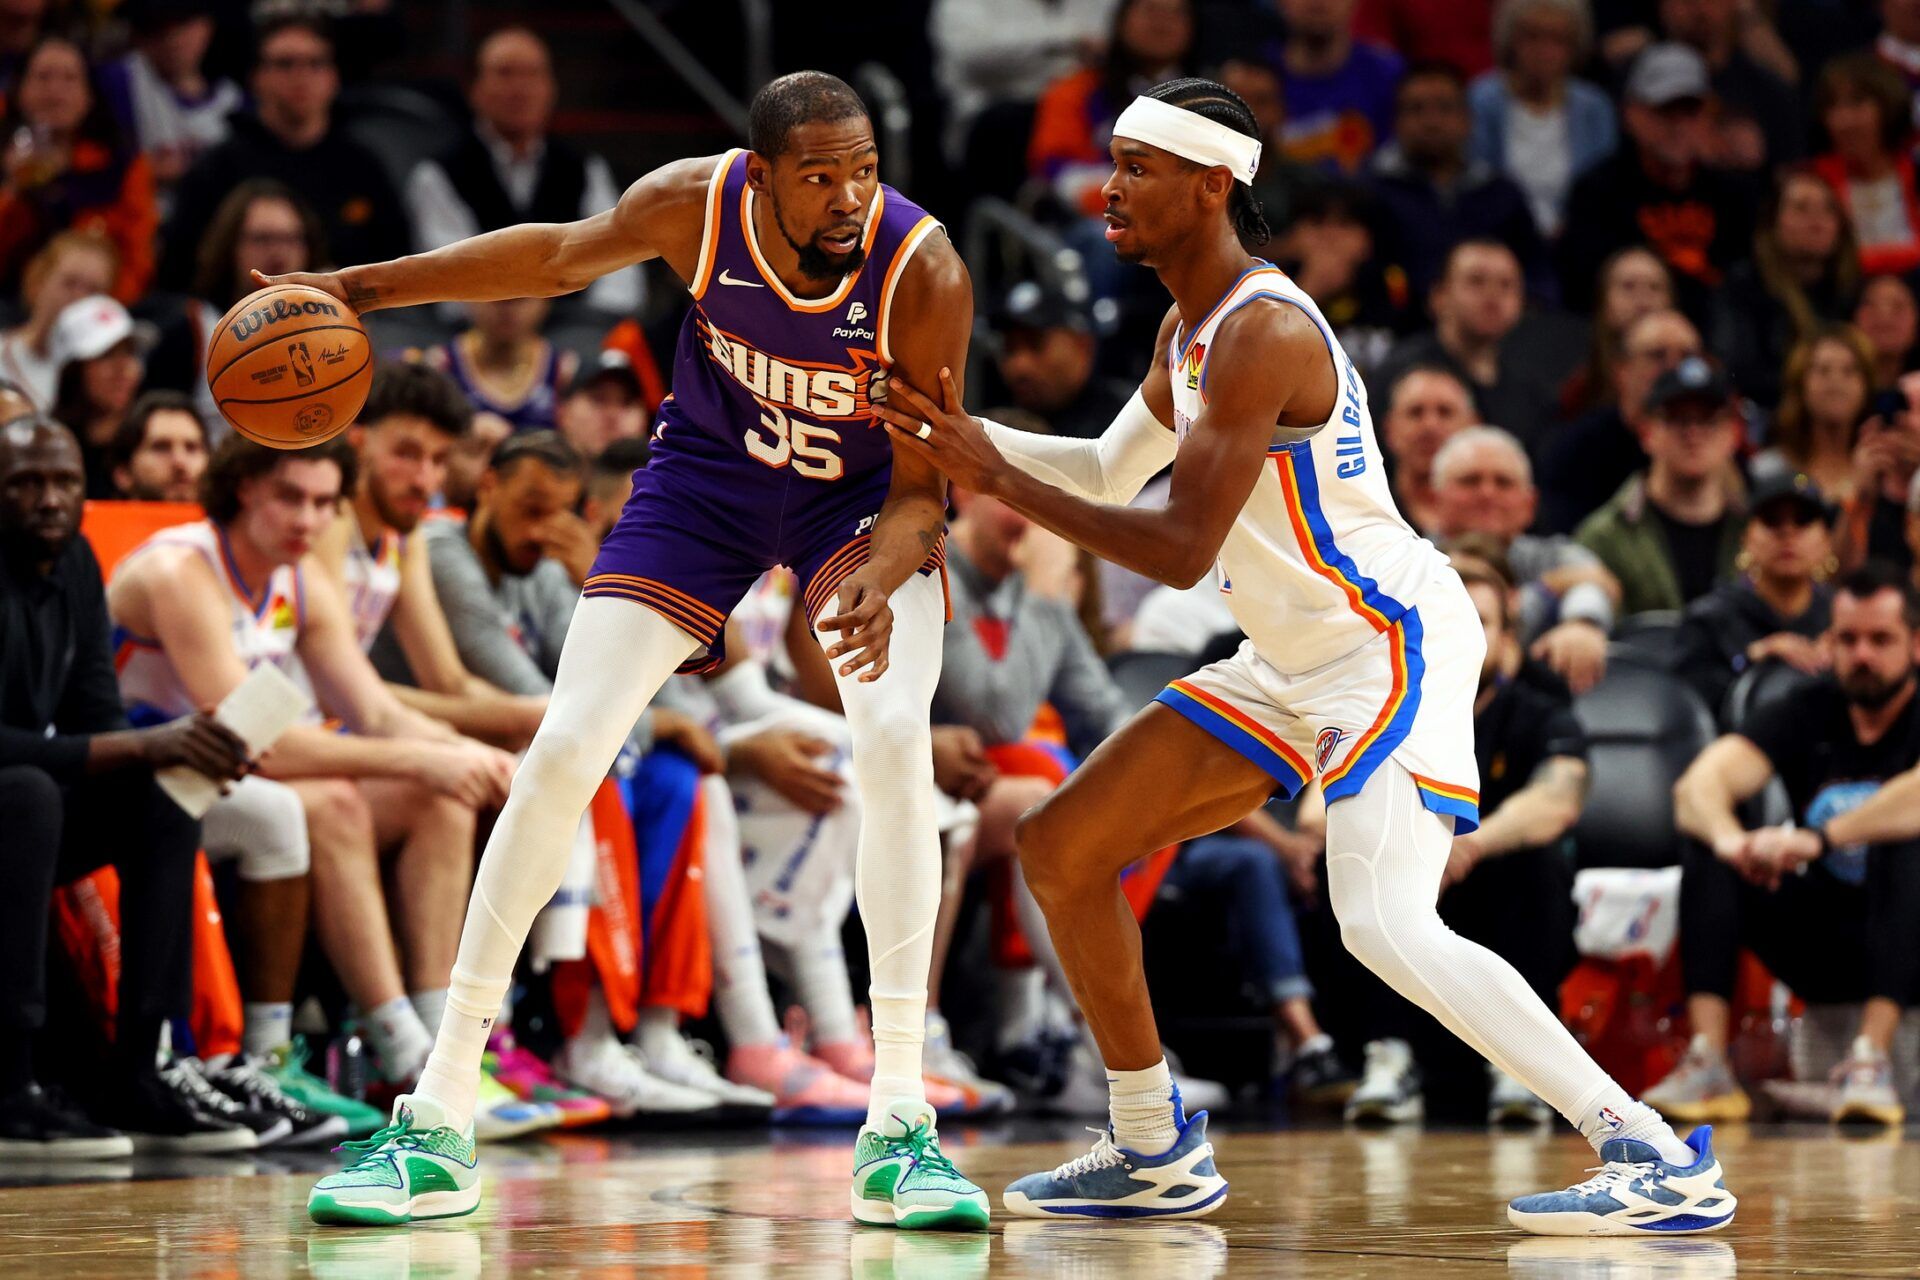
[(1632, 287)]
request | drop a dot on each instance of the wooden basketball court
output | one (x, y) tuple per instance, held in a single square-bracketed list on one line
[(1317, 1202)]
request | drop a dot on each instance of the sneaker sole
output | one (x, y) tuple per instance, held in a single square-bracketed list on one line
[(329, 1209), (222, 1142), (1864, 1113), (115, 1148), (1587, 1224), (1392, 1113), (962, 1215), (821, 1116), (328, 1131), (1018, 1204)]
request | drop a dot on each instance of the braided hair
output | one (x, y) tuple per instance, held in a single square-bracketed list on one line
[(1213, 101)]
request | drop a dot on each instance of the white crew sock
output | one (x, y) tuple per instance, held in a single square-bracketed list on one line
[(432, 1008), (401, 1042), (1140, 1106), (269, 1026), (658, 1034), (740, 993), (1616, 1115), (825, 989)]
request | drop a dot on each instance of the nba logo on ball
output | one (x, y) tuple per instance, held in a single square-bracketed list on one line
[(1323, 745), (313, 419)]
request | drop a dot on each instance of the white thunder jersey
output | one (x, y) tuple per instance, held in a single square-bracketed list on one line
[(1319, 561), (265, 627), (373, 581)]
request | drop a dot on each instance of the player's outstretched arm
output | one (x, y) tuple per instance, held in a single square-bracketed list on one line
[(659, 216), (931, 323), (1265, 358)]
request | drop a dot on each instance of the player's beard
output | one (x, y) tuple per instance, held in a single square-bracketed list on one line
[(398, 521), (816, 263), (1869, 692)]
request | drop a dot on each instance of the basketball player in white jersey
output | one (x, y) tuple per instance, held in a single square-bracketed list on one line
[(403, 437), (202, 604), (1360, 668)]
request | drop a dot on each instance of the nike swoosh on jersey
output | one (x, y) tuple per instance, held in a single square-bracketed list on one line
[(726, 277)]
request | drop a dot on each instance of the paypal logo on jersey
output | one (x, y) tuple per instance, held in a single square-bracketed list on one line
[(1350, 446), (856, 312), (1847, 862)]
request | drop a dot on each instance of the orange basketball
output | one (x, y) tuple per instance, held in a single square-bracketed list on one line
[(289, 366)]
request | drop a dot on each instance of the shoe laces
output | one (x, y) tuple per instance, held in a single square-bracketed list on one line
[(923, 1144), (1852, 1072), (1103, 1156), (400, 1135), (184, 1075), (246, 1073), (1609, 1176)]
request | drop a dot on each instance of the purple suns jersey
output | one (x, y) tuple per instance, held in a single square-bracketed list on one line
[(788, 381), (767, 451)]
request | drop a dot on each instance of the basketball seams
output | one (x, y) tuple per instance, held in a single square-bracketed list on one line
[(248, 302)]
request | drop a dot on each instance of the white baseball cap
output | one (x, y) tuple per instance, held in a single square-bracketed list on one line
[(93, 326)]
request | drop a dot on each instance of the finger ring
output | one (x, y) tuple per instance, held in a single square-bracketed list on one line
[(926, 429)]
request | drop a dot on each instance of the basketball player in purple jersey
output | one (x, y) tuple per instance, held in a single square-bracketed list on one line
[(811, 282)]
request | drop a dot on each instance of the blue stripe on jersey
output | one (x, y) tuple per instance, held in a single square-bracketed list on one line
[(1396, 730), (1309, 483)]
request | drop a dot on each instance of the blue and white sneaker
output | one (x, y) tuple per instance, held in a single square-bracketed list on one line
[(1634, 1192), (1113, 1182)]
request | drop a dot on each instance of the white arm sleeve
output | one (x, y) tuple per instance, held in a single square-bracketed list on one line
[(1134, 448)]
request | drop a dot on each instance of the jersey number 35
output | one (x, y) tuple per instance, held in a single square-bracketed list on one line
[(806, 446)]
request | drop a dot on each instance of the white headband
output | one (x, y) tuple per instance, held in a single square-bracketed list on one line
[(1190, 136)]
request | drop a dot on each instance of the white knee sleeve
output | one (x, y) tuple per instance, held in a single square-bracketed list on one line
[(1385, 855), (260, 823)]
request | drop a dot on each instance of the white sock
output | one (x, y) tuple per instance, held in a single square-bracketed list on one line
[(1617, 1115), (616, 656), (658, 1033), (825, 989), (269, 1026), (1140, 1105), (1316, 1044), (897, 873), (740, 993), (400, 1040), (432, 1008)]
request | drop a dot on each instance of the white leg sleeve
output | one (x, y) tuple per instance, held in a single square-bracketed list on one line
[(261, 823), (897, 882), (1385, 853), (617, 655)]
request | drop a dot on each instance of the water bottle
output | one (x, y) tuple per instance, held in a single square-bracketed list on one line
[(347, 1064)]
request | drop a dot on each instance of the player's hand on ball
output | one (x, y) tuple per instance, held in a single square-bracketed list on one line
[(865, 624), (945, 434), (324, 281)]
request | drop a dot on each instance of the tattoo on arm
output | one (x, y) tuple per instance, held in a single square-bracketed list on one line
[(359, 295), (1563, 775)]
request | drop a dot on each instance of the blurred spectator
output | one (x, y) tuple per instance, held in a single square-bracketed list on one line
[(1890, 318), (504, 367), (1483, 486), (1757, 116), (67, 167), (76, 793), (1912, 530), (1176, 620), (1778, 608), (988, 52), (1804, 270), (72, 266), (1673, 531), (509, 168), (602, 405), (1328, 250), (1827, 902), (1507, 886), (1828, 381), (161, 94), (1339, 93), (472, 454), (160, 452), (1457, 32), (1151, 41), (1282, 180), (1426, 405), (1435, 196), (22, 23), (260, 225), (1633, 283), (291, 136), (1476, 304), (1533, 119), (102, 355), (1899, 42), (1048, 348), (1656, 190), (1868, 117), (1885, 459), (1588, 459)]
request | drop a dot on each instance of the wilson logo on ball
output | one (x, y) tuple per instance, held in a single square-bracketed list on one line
[(276, 311)]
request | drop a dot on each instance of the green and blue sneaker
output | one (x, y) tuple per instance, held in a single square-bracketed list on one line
[(288, 1067), (414, 1168), (900, 1179)]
